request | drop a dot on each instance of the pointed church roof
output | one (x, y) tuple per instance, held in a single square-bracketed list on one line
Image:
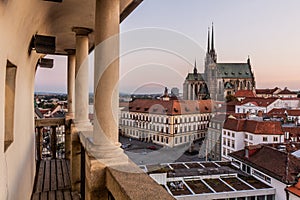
[(192, 77), (234, 70)]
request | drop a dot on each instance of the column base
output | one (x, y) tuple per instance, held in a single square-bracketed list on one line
[(105, 153), (83, 125), (110, 155)]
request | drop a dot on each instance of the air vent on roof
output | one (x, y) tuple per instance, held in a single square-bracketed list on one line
[(137, 108), (166, 110), (130, 107), (225, 73), (247, 73), (175, 110), (240, 73), (206, 108), (232, 73), (146, 109)]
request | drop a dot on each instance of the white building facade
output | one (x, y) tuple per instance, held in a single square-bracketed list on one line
[(168, 123)]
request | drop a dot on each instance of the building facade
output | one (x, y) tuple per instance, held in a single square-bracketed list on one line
[(213, 138), (166, 122), (238, 133), (218, 79)]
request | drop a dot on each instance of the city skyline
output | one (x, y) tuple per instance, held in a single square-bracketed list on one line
[(266, 31)]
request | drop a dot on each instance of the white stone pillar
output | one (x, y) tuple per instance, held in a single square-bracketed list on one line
[(106, 79), (81, 77), (71, 81)]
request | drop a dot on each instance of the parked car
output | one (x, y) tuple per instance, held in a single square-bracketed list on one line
[(124, 146), (152, 147)]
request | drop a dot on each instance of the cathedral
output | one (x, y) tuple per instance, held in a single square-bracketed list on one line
[(219, 79)]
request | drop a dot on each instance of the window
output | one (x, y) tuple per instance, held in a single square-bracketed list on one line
[(10, 86), (224, 151), (232, 144), (275, 139), (251, 137), (246, 136), (232, 134), (224, 132), (265, 139)]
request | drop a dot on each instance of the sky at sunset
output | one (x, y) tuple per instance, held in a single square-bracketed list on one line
[(161, 40)]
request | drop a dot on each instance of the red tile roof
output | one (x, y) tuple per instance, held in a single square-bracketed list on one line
[(277, 113), (254, 127), (286, 91), (294, 112), (244, 93), (295, 189), (280, 165), (171, 107), (266, 91), (259, 101), (294, 131)]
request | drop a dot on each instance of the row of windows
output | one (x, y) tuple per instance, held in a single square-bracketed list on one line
[(162, 139), (247, 169), (253, 111), (164, 128), (232, 134), (261, 176), (226, 151), (275, 139), (250, 137), (164, 119), (228, 142)]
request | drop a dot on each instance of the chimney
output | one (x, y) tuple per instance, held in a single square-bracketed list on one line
[(247, 115), (250, 150), (260, 113)]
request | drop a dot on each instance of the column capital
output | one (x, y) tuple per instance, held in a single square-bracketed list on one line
[(82, 31), (70, 51)]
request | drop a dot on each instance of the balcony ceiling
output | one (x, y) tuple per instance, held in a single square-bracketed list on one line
[(80, 13)]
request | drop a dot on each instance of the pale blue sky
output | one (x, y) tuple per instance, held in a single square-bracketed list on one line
[(267, 30)]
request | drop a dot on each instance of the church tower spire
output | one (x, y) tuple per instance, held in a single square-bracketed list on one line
[(212, 37), (208, 40), (212, 51), (195, 67)]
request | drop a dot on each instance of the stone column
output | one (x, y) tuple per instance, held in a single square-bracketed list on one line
[(104, 145), (53, 141), (81, 77), (71, 81), (106, 75)]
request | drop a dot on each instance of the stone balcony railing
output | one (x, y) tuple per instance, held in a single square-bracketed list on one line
[(108, 174)]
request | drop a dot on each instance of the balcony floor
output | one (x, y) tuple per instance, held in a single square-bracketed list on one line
[(52, 181)]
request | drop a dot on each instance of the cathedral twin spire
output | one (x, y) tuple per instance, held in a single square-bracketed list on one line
[(210, 45)]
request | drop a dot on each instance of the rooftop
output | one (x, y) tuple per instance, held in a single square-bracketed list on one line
[(253, 126), (171, 107), (287, 166), (206, 178), (244, 93)]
